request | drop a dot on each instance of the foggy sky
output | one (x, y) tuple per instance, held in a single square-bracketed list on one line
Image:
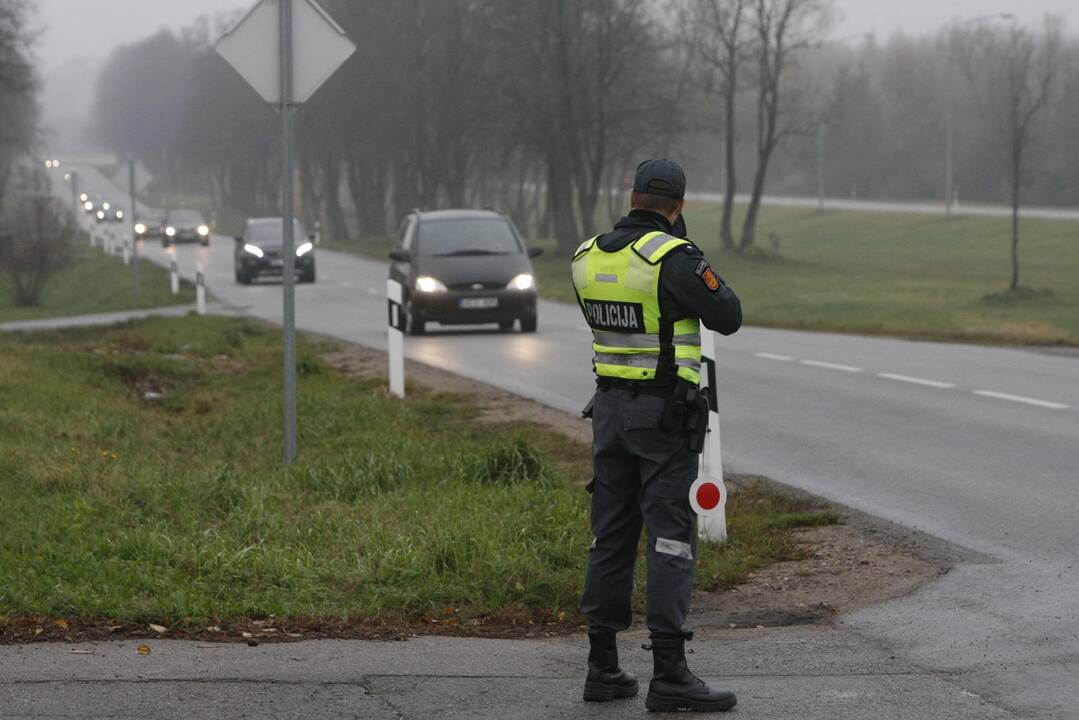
[(90, 29)]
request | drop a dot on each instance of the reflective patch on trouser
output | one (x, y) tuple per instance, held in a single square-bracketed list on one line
[(593, 545), (674, 547)]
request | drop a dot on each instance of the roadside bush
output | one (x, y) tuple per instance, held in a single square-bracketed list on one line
[(35, 238)]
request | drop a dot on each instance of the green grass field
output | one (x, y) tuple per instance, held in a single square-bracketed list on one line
[(95, 283), (903, 275), (141, 483)]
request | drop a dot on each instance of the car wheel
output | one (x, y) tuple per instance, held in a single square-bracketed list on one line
[(164, 243), (413, 326), (309, 276), (506, 326), (204, 243), (528, 325)]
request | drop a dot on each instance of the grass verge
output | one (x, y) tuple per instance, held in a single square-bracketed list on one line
[(141, 483), (95, 283)]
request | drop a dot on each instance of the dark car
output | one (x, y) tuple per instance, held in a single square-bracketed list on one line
[(258, 251), (107, 213), (150, 225), (186, 226), (464, 267)]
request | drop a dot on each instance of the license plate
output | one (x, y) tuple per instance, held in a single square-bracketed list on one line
[(277, 263), (479, 303)]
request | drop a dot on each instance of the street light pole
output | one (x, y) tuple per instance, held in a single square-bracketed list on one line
[(134, 236), (822, 126), (949, 110), (288, 245), (75, 207), (820, 168)]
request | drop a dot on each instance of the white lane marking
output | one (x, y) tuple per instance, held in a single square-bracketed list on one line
[(1021, 399), (372, 291), (917, 381), (773, 356), (832, 366)]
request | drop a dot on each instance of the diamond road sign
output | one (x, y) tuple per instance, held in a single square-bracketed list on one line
[(253, 48)]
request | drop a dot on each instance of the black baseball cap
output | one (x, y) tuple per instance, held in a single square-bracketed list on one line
[(660, 177)]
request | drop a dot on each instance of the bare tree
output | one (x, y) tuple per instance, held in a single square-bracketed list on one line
[(1014, 72), (35, 237), (717, 30), (782, 28)]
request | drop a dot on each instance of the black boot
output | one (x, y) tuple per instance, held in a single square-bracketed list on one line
[(606, 681), (674, 687)]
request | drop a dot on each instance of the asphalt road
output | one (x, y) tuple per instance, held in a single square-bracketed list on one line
[(977, 445)]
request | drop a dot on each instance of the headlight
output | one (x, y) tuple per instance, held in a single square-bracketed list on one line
[(524, 281), (119, 214), (427, 284), (106, 206), (253, 250), (170, 231), (84, 197), (204, 230), (88, 206), (304, 249), (140, 229), (100, 215)]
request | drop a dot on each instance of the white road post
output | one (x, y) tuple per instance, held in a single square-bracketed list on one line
[(174, 277), (200, 292), (127, 252), (714, 526), (397, 338)]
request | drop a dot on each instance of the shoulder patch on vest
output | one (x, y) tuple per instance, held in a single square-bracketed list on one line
[(708, 276)]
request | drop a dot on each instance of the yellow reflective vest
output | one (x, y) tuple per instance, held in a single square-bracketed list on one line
[(619, 294)]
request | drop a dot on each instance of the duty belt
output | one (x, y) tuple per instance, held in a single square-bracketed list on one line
[(636, 387)]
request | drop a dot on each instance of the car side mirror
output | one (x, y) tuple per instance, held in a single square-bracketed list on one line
[(535, 252), (400, 255), (312, 236), (239, 239)]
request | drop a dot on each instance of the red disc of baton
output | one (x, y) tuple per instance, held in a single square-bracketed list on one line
[(706, 496)]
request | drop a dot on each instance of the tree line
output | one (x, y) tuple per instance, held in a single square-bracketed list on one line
[(18, 89), (542, 108)]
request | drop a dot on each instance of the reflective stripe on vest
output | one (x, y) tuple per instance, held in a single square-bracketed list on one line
[(619, 295)]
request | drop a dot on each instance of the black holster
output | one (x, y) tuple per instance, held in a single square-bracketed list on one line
[(686, 411)]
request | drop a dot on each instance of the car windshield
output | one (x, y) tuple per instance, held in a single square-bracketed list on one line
[(272, 233), (185, 217), (467, 236)]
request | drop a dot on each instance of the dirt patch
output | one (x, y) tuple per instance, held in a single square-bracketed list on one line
[(36, 629), (842, 567)]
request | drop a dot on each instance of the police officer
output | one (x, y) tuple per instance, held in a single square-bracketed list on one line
[(645, 290)]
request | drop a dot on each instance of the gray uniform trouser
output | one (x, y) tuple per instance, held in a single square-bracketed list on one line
[(642, 477)]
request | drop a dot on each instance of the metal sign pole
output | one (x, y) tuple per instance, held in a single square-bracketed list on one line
[(288, 246)]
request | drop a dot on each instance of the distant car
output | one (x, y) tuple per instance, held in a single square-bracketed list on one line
[(464, 267), (106, 213), (186, 226), (150, 225), (92, 204), (258, 251)]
